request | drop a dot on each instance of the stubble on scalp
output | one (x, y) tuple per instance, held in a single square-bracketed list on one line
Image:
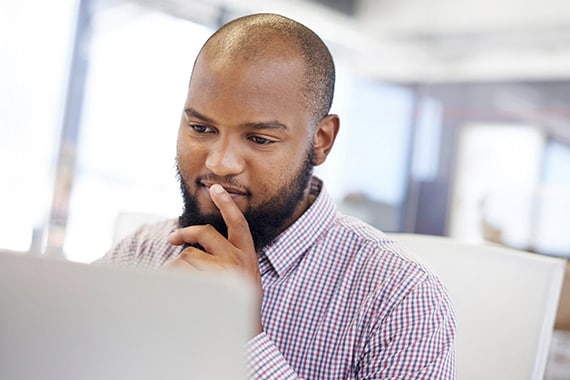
[(252, 37)]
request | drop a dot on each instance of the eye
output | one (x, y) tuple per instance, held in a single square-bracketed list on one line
[(261, 140), (201, 128)]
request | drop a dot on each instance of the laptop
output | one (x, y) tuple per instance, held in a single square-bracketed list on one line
[(64, 320)]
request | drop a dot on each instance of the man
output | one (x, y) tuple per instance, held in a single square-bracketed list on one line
[(338, 299)]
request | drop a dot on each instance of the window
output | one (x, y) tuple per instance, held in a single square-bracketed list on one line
[(140, 62), (35, 44)]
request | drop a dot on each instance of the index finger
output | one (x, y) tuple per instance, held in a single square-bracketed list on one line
[(238, 228)]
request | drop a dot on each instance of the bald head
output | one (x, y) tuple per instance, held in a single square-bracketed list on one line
[(272, 36)]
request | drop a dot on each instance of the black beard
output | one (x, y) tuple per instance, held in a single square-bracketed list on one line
[(266, 221)]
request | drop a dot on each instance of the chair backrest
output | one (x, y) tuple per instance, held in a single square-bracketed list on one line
[(505, 301)]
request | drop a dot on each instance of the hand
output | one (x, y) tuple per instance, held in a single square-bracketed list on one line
[(237, 252)]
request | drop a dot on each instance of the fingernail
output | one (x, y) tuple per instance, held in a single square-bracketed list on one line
[(218, 189)]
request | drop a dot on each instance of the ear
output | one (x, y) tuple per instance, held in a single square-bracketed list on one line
[(325, 134)]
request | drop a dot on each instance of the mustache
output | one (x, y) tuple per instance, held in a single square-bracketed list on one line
[(225, 181)]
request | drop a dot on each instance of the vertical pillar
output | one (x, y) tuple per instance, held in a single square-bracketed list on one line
[(67, 151)]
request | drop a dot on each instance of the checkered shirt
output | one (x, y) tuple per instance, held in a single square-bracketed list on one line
[(341, 300)]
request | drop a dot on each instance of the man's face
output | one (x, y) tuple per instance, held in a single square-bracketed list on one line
[(245, 127)]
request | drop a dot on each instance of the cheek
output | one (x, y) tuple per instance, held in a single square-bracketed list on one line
[(187, 158), (262, 177), (275, 175), (180, 148)]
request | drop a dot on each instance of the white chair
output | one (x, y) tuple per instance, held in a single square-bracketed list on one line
[(505, 302)]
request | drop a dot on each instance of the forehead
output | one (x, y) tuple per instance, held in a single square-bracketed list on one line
[(264, 86)]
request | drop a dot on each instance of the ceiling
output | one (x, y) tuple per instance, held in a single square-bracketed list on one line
[(422, 40), (482, 39)]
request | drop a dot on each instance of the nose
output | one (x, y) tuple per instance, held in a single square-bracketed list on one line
[(225, 158)]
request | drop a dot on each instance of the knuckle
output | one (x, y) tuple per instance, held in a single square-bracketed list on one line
[(242, 224), (235, 261), (208, 228)]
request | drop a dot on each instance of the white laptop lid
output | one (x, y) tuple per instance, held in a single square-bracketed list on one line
[(64, 320)]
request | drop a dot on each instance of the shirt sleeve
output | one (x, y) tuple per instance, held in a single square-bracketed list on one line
[(264, 361), (417, 338), (146, 248), (123, 253)]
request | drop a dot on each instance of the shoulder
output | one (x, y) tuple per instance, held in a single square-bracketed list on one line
[(379, 262), (361, 241), (147, 247)]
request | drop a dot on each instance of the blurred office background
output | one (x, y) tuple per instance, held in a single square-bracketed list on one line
[(455, 115)]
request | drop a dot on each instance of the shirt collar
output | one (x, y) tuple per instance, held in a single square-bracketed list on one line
[(285, 251)]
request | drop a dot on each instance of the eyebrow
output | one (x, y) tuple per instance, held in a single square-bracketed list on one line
[(193, 113), (273, 124)]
